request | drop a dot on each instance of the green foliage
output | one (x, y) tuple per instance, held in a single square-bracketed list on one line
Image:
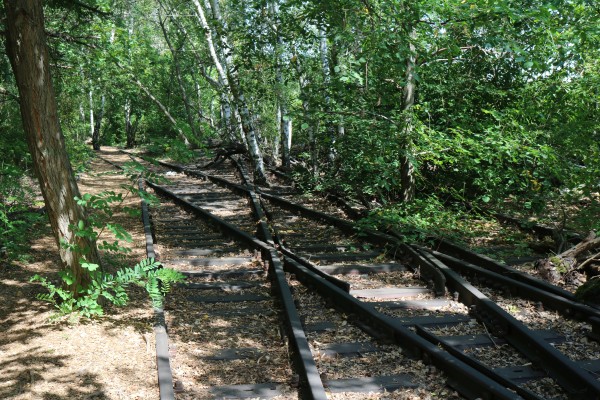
[(16, 218), (88, 301), (419, 219), (174, 149), (106, 287), (79, 154), (503, 161), (505, 113), (133, 170), (99, 220)]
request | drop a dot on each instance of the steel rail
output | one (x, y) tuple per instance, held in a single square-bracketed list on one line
[(566, 372), (524, 393), (551, 300), (574, 379), (305, 360), (161, 336), (370, 235), (388, 324), (291, 259), (309, 378), (248, 191), (452, 249), (465, 379)]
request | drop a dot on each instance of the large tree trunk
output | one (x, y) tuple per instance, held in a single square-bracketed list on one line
[(28, 54)]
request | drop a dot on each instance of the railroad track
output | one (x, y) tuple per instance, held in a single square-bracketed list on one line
[(372, 313)]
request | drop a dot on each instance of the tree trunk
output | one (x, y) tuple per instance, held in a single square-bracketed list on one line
[(28, 54), (184, 97), (408, 100), (226, 112), (311, 126), (277, 141), (286, 138), (326, 70), (130, 127), (91, 99), (284, 120), (231, 82), (98, 125)]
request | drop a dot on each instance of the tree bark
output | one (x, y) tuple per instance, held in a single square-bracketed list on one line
[(311, 126), (98, 124), (226, 111), (326, 70), (130, 127), (286, 138), (277, 141), (184, 97), (556, 267), (408, 100), (28, 54), (91, 99), (230, 81), (284, 120)]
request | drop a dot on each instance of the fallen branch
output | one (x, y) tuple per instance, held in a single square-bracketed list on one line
[(595, 257), (572, 260), (223, 153)]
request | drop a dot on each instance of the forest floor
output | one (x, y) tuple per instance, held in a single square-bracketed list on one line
[(41, 357)]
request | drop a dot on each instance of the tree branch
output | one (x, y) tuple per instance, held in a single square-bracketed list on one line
[(362, 114), (72, 39), (589, 260), (8, 94), (87, 7)]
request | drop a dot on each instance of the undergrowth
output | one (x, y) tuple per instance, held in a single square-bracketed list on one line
[(17, 216), (424, 217), (108, 287)]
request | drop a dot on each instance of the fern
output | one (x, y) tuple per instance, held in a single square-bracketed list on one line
[(147, 273)]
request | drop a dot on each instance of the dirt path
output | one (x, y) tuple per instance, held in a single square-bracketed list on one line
[(108, 358)]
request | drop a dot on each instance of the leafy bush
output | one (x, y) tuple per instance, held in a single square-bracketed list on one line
[(172, 148), (419, 219), (15, 213), (87, 302), (80, 153), (103, 287)]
